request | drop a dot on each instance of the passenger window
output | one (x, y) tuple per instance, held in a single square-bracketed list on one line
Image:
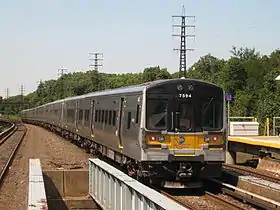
[(99, 116), (110, 117), (114, 118), (106, 117), (70, 115), (128, 120), (137, 114), (81, 114), (96, 115), (102, 116), (87, 115)]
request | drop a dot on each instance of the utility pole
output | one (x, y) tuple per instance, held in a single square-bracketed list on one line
[(7, 92), (96, 58), (39, 82), (61, 73), (184, 34), (39, 91)]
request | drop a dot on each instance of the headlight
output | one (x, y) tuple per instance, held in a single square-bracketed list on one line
[(161, 139), (207, 139)]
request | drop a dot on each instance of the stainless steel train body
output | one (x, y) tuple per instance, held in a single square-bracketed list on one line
[(172, 130)]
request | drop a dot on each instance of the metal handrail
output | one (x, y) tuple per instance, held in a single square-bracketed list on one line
[(252, 118), (274, 125)]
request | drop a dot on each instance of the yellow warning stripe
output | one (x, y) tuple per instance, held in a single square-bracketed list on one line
[(258, 142)]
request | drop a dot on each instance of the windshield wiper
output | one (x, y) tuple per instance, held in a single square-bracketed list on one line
[(204, 111)]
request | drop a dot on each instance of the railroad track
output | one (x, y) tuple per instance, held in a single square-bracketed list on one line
[(248, 197), (6, 132), (223, 201), (195, 204), (266, 175), (188, 205), (8, 147)]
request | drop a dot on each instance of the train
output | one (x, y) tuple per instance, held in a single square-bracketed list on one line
[(170, 132)]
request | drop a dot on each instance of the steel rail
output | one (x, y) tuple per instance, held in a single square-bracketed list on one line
[(12, 154)]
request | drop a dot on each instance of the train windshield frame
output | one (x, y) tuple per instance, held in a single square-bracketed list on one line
[(202, 111)]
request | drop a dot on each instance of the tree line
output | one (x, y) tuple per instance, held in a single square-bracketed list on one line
[(247, 74)]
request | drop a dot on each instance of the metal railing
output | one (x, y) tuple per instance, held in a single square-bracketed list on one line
[(275, 126), (254, 119), (113, 189)]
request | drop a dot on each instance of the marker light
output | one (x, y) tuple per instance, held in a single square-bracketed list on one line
[(161, 139), (207, 139), (152, 138), (215, 138)]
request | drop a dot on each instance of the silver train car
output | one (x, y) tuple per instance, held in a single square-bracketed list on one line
[(169, 132)]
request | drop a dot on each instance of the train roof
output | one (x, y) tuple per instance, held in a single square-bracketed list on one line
[(126, 89), (131, 89)]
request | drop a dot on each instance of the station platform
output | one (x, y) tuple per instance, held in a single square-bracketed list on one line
[(244, 138), (264, 141), (261, 146)]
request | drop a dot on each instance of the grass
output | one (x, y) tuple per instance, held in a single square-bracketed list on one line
[(12, 117)]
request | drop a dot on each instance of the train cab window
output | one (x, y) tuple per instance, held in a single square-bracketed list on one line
[(212, 115), (128, 120), (157, 114), (184, 115), (106, 117), (114, 118), (137, 114), (110, 117)]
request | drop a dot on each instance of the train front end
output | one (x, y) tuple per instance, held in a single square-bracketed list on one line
[(184, 138)]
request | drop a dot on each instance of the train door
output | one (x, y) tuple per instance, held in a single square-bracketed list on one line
[(61, 120), (183, 121), (120, 127), (92, 122)]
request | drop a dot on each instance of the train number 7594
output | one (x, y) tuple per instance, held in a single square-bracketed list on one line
[(184, 95)]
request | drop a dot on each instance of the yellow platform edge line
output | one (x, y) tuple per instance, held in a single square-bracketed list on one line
[(257, 142)]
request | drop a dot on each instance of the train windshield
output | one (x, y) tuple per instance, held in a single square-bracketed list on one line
[(184, 115), (211, 117), (157, 114), (200, 115), (176, 108)]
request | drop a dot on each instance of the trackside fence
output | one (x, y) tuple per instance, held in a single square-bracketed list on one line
[(113, 189)]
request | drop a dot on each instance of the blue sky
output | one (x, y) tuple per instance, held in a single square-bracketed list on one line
[(38, 37)]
